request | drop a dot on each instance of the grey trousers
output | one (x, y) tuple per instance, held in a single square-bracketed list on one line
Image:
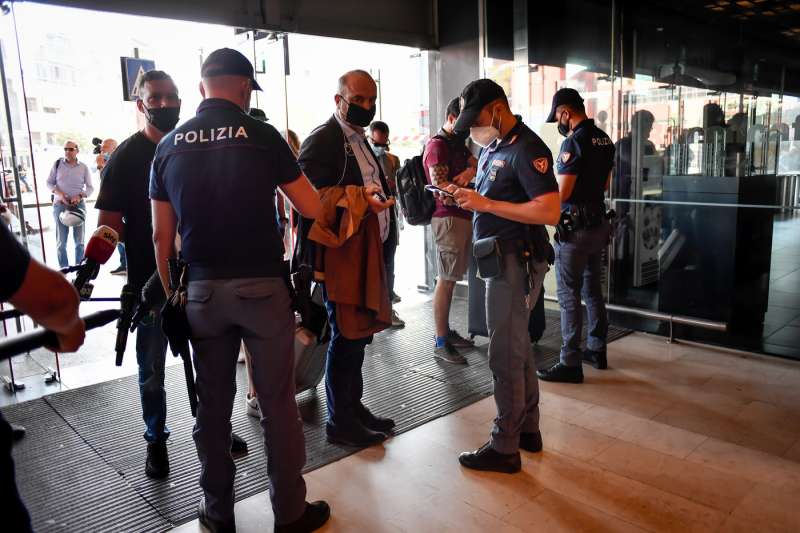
[(221, 314), (579, 272), (516, 387)]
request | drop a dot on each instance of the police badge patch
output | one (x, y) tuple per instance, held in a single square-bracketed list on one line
[(541, 165), (565, 156)]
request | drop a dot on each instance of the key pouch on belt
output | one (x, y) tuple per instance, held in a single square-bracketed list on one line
[(488, 257)]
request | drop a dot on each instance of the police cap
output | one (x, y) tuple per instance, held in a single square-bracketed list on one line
[(473, 98), (565, 96), (227, 61)]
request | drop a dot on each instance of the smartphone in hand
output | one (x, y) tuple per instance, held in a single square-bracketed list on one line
[(434, 188)]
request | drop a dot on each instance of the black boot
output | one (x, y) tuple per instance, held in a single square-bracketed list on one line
[(596, 359), (562, 373), (373, 422), (157, 465), (354, 434), (238, 445), (314, 517), (486, 458)]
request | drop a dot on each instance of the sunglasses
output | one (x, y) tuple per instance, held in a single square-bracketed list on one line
[(68, 149)]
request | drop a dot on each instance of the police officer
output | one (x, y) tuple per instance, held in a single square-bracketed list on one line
[(584, 172), (217, 176), (516, 193)]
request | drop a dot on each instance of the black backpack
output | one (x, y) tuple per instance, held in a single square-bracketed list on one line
[(416, 203)]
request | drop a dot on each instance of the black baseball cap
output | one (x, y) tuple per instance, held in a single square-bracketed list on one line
[(473, 98), (227, 61), (565, 96)]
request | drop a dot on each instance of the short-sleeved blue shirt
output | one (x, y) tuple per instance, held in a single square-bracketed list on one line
[(516, 169), (220, 171), (589, 155)]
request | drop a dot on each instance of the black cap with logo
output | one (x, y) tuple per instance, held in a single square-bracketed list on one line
[(227, 61), (565, 96), (473, 98)]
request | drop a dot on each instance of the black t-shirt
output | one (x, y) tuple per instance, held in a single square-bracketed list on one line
[(124, 189), (13, 265), (220, 171), (588, 154), (517, 169)]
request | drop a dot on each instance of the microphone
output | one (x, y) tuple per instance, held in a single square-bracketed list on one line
[(100, 247), (36, 339)]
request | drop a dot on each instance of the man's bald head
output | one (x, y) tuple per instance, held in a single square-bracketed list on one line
[(356, 88)]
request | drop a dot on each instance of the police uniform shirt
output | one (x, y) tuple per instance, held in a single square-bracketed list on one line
[(589, 155), (517, 169), (14, 265), (220, 171)]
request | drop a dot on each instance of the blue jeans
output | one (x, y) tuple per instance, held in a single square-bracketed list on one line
[(344, 384), (62, 234), (123, 258), (579, 271), (151, 351)]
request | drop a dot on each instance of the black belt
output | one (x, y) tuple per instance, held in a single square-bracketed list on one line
[(201, 272)]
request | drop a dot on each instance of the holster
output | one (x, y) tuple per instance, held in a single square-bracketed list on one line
[(488, 257)]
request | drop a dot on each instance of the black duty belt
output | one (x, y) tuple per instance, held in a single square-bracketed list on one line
[(199, 272)]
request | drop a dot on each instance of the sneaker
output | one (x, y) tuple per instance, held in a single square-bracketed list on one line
[(120, 270), (252, 407), (486, 458), (449, 354), (214, 526), (599, 360), (454, 338), (562, 373), (157, 464), (397, 322), (313, 518), (395, 298)]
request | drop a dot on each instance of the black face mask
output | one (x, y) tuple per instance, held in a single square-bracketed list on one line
[(563, 129), (163, 119), (358, 115)]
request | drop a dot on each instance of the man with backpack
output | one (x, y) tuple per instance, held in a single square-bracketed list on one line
[(446, 160)]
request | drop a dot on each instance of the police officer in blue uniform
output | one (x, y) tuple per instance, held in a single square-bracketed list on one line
[(217, 177), (584, 172), (516, 194)]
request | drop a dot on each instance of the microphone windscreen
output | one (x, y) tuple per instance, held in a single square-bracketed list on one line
[(102, 245)]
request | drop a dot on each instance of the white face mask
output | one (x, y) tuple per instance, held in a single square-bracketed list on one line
[(483, 136)]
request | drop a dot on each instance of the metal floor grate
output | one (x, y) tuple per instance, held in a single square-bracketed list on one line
[(81, 466)]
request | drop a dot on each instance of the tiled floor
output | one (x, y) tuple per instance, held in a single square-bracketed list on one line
[(670, 438)]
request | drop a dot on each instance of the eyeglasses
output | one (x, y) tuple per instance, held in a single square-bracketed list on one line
[(69, 149)]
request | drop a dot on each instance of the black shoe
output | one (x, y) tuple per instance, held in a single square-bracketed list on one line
[(395, 298), (120, 270), (562, 373), (17, 432), (314, 517), (485, 458), (157, 465), (354, 435), (531, 442), (238, 445), (212, 525), (596, 359), (375, 423)]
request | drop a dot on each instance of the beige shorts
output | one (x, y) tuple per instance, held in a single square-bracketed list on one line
[(453, 236)]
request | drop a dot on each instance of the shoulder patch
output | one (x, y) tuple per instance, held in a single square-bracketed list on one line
[(565, 157), (541, 165)]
